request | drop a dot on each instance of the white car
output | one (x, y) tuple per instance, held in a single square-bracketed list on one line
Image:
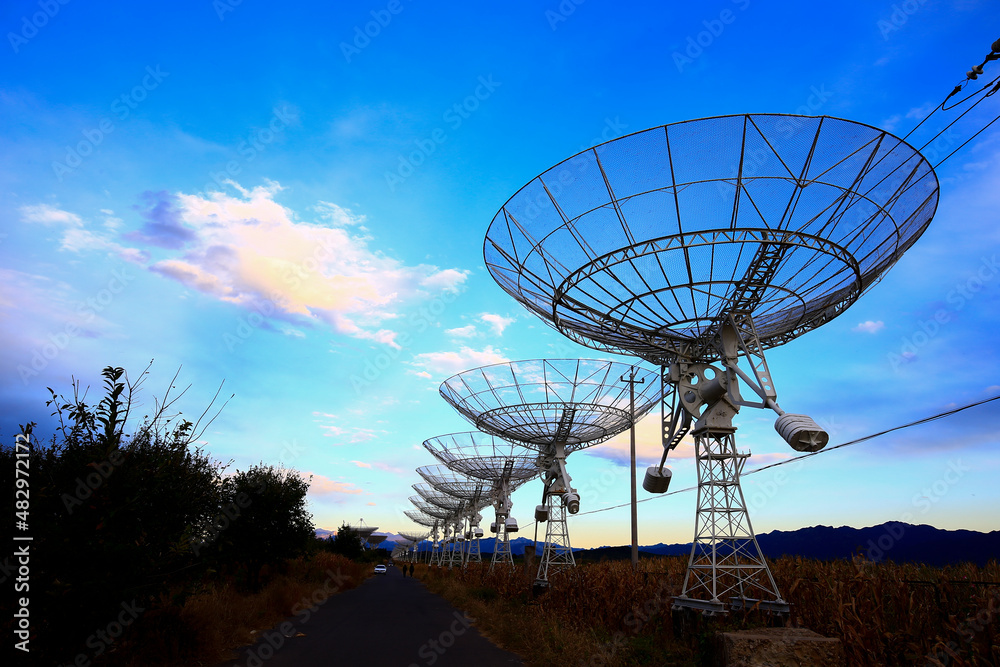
[(380, 569)]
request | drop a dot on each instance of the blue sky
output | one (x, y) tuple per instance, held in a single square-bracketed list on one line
[(271, 197)]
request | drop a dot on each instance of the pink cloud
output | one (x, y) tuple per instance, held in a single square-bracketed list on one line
[(324, 486), (449, 362), (251, 251)]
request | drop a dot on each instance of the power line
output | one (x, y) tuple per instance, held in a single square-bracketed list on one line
[(940, 415)]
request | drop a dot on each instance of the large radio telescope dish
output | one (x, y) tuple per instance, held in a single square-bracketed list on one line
[(578, 402), (363, 531), (423, 519), (435, 497), (483, 456), (447, 481), (644, 244), (430, 508)]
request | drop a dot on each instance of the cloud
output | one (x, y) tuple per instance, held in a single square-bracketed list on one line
[(75, 237), (49, 215), (370, 504), (420, 374), (163, 227), (767, 458), (81, 240), (498, 322), (324, 486), (892, 122), (449, 280), (362, 464), (251, 251), (462, 332), (39, 313), (385, 467), (350, 435), (449, 363), (870, 327)]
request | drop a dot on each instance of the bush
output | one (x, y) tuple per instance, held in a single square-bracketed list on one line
[(264, 519), (119, 520)]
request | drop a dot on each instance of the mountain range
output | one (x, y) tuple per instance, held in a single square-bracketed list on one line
[(895, 541)]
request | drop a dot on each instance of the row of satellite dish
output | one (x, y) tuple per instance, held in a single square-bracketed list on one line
[(694, 246)]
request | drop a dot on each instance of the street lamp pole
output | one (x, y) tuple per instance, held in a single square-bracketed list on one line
[(635, 517)]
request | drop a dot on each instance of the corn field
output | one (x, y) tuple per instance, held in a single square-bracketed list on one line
[(885, 614)]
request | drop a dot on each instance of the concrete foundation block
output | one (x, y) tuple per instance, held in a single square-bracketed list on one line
[(778, 647)]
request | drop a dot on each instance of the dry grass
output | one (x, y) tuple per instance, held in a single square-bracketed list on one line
[(608, 614), (208, 627), (885, 618)]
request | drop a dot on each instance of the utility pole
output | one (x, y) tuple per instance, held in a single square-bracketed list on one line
[(635, 517)]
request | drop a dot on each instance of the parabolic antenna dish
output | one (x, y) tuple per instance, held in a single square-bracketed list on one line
[(579, 402), (363, 531), (430, 508), (483, 456), (435, 497), (413, 537), (644, 244), (447, 481), (375, 540), (423, 519)]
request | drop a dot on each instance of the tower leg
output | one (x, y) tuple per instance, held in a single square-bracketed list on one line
[(501, 546), (475, 554), (726, 564), (557, 553)]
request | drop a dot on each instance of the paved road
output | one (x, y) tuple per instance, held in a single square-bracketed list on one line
[(388, 620)]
